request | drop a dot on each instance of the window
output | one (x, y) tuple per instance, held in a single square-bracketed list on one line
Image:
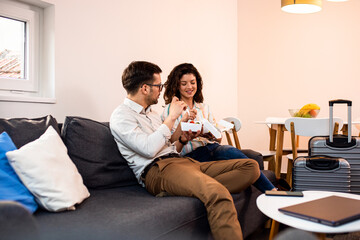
[(12, 48), (18, 48), (24, 62)]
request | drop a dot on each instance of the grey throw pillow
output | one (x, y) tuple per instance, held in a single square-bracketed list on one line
[(93, 149), (25, 130)]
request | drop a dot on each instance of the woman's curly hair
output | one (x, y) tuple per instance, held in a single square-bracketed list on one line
[(172, 83)]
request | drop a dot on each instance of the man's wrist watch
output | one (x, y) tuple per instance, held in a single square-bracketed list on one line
[(183, 143)]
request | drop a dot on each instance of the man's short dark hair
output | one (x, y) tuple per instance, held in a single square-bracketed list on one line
[(138, 73)]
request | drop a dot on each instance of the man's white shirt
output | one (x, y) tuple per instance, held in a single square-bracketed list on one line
[(140, 135)]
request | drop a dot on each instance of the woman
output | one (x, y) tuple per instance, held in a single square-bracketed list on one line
[(185, 83)]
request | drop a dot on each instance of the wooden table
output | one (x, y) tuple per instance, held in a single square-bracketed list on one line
[(276, 132), (344, 129)]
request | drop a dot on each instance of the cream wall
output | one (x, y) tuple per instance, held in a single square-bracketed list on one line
[(288, 60), (96, 40), (256, 60)]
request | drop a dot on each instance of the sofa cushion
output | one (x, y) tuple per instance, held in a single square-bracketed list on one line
[(25, 130), (11, 188), (127, 213), (47, 171), (93, 149), (131, 213)]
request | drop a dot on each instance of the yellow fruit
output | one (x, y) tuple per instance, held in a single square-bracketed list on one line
[(303, 112), (310, 106)]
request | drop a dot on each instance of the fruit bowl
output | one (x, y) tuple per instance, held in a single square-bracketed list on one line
[(304, 113)]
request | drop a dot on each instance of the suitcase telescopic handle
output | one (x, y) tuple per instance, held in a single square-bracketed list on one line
[(339, 101), (331, 115)]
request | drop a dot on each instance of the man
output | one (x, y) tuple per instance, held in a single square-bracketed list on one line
[(144, 141)]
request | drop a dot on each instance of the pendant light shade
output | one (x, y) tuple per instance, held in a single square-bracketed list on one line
[(301, 6)]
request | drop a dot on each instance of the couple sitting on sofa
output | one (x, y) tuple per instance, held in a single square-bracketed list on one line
[(151, 146)]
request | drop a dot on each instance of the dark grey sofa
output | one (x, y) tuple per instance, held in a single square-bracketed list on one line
[(118, 207)]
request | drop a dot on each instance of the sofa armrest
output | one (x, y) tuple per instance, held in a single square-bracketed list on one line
[(254, 155), (16, 222)]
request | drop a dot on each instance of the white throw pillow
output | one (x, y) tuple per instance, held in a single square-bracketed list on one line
[(48, 172)]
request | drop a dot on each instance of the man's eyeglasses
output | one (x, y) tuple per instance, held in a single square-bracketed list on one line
[(156, 85)]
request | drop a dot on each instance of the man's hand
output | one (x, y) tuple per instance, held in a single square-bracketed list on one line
[(190, 135), (176, 108), (184, 138)]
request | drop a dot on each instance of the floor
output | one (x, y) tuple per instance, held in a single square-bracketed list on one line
[(263, 234)]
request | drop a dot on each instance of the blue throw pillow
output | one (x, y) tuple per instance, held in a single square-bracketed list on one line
[(11, 187)]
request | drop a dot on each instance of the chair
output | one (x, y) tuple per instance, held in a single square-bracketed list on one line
[(268, 156), (308, 127), (272, 133), (357, 125)]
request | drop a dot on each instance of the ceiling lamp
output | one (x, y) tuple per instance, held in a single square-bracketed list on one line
[(301, 6)]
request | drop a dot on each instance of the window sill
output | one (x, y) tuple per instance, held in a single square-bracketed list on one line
[(30, 99)]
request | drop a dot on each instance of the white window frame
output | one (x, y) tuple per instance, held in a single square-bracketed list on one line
[(31, 17), (41, 55)]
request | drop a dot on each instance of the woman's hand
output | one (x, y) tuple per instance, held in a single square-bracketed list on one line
[(189, 115), (208, 136), (211, 137)]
